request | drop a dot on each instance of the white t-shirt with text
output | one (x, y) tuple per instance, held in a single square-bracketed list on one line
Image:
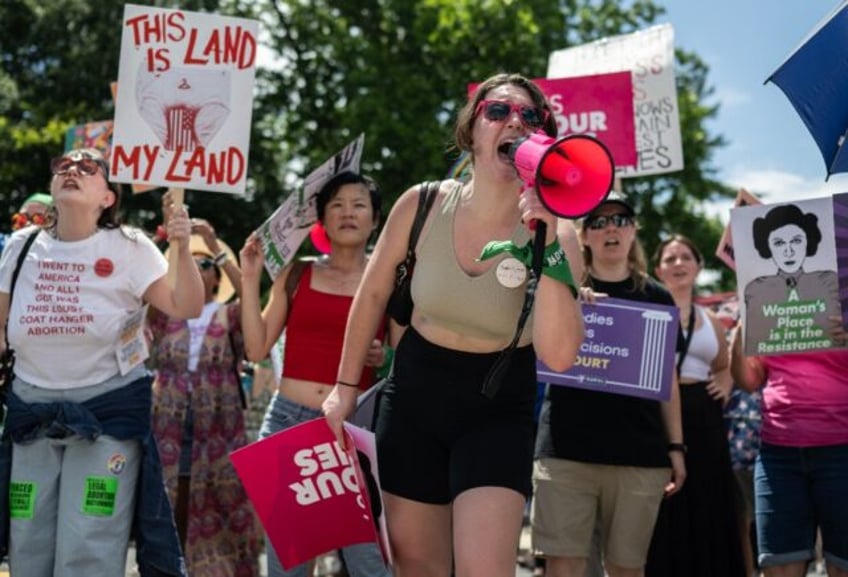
[(71, 301)]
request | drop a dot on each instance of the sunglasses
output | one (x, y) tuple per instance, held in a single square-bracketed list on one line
[(22, 219), (601, 222), (498, 110), (205, 263), (85, 166)]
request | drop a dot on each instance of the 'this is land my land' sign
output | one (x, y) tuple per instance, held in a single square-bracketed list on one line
[(185, 90)]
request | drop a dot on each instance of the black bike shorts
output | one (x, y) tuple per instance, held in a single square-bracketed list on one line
[(438, 436)]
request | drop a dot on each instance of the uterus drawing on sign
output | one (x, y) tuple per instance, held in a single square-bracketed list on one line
[(185, 107)]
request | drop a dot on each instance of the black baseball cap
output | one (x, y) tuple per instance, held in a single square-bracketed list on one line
[(615, 197)]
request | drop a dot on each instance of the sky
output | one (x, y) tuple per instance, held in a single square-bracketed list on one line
[(770, 151)]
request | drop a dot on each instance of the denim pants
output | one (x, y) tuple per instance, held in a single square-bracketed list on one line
[(800, 489), (361, 560)]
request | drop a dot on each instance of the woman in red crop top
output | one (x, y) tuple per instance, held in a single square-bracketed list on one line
[(349, 210)]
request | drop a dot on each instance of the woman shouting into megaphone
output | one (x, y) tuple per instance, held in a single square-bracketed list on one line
[(455, 423)]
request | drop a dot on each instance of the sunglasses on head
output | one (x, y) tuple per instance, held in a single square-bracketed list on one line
[(205, 263), (601, 222), (22, 219), (85, 166), (498, 110)]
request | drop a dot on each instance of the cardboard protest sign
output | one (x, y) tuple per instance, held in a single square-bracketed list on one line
[(310, 494), (629, 349), (789, 288), (649, 56), (283, 233), (96, 135), (724, 250), (186, 98)]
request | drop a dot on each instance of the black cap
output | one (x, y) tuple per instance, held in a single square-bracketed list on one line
[(615, 197)]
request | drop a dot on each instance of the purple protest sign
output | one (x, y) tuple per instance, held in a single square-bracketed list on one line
[(629, 350), (840, 225)]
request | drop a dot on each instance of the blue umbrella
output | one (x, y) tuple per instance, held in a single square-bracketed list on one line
[(815, 80)]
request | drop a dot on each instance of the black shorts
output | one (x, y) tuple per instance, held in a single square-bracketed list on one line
[(438, 436)]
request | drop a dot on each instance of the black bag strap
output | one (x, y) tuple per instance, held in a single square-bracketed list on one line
[(24, 250), (689, 330), (236, 363), (426, 196), (496, 373)]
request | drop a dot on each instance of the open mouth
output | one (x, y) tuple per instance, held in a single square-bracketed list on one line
[(504, 149)]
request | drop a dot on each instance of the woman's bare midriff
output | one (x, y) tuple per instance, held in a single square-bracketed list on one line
[(449, 339), (307, 393)]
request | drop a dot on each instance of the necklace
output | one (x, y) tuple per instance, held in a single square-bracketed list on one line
[(54, 232)]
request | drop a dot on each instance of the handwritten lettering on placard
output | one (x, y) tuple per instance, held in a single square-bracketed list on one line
[(184, 99), (224, 45)]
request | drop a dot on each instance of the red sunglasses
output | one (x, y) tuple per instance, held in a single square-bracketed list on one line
[(22, 219), (499, 110), (85, 166)]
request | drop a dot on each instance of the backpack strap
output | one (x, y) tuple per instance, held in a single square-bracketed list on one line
[(293, 279)]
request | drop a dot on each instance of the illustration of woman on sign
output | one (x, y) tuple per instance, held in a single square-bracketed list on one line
[(793, 310)]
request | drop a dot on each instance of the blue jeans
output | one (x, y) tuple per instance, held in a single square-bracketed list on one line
[(362, 560), (800, 489)]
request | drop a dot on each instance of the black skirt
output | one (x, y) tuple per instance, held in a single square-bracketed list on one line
[(697, 532)]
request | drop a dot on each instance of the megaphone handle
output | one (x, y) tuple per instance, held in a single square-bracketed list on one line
[(539, 247)]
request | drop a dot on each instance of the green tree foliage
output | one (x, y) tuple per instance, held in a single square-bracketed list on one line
[(396, 70)]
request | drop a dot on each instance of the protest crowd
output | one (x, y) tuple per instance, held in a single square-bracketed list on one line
[(468, 383)]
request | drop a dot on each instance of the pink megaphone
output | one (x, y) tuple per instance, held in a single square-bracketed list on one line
[(572, 175)]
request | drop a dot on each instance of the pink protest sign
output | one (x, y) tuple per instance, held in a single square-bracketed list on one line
[(600, 105), (307, 491)]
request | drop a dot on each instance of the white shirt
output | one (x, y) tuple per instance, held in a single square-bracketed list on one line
[(197, 331), (71, 301)]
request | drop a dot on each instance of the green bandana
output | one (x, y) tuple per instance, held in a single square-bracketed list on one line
[(554, 262)]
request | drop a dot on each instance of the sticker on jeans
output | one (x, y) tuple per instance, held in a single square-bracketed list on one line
[(116, 463), (99, 497), (22, 499)]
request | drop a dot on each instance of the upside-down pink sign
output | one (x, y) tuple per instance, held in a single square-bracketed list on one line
[(310, 493)]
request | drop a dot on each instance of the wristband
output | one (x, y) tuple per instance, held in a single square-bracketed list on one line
[(220, 258), (388, 358), (677, 447), (356, 386), (555, 265)]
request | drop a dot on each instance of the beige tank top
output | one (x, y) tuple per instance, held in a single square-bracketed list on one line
[(477, 306)]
